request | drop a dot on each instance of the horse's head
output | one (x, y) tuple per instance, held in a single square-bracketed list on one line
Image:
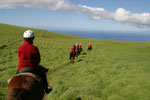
[(45, 70)]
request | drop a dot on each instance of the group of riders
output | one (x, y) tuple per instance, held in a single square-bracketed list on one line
[(29, 58), (76, 50)]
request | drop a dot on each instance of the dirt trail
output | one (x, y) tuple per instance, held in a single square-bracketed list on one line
[(65, 65), (61, 68)]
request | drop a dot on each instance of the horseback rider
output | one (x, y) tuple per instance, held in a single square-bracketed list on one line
[(29, 59), (80, 47), (89, 46), (72, 52), (77, 46), (77, 49), (73, 48)]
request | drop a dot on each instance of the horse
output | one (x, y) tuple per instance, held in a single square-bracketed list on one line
[(80, 49), (25, 87), (77, 52), (90, 48), (72, 56)]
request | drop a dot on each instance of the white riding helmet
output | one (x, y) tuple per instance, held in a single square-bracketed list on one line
[(28, 34)]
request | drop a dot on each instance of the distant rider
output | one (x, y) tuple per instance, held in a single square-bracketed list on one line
[(73, 48), (72, 52), (80, 47), (89, 47), (29, 59), (77, 49)]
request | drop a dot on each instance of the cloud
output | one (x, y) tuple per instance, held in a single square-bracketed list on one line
[(120, 15), (94, 13), (139, 20), (63, 5)]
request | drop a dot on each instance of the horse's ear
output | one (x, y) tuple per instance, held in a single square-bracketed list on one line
[(8, 81), (46, 70)]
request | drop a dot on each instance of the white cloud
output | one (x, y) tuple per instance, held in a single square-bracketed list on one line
[(42, 4), (121, 15), (94, 13), (139, 20)]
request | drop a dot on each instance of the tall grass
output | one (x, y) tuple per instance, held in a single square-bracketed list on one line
[(113, 70)]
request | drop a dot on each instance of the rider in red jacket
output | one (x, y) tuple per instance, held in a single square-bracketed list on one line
[(29, 59), (89, 46), (72, 52), (73, 48), (80, 47), (29, 56)]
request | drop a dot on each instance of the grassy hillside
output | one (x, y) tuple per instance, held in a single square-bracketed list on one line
[(113, 70)]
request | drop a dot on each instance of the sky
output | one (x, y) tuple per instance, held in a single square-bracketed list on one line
[(96, 15)]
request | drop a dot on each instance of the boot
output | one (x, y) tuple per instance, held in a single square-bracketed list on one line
[(42, 73), (48, 90), (45, 84)]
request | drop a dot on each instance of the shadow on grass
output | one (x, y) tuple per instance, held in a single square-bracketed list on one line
[(79, 98), (3, 69), (84, 53), (79, 60), (3, 46)]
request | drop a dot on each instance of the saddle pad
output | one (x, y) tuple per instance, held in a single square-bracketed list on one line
[(29, 74)]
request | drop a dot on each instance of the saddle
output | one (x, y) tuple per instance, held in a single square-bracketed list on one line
[(38, 78)]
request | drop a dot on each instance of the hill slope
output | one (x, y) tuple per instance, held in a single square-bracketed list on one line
[(113, 70)]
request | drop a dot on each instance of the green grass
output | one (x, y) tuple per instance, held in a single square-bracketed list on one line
[(113, 70)]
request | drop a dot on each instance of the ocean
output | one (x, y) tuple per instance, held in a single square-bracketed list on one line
[(121, 36)]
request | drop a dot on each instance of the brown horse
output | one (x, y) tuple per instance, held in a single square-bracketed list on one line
[(25, 87), (72, 56), (77, 51)]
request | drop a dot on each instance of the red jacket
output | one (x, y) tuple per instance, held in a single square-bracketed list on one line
[(80, 46), (89, 45), (72, 49), (29, 56)]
